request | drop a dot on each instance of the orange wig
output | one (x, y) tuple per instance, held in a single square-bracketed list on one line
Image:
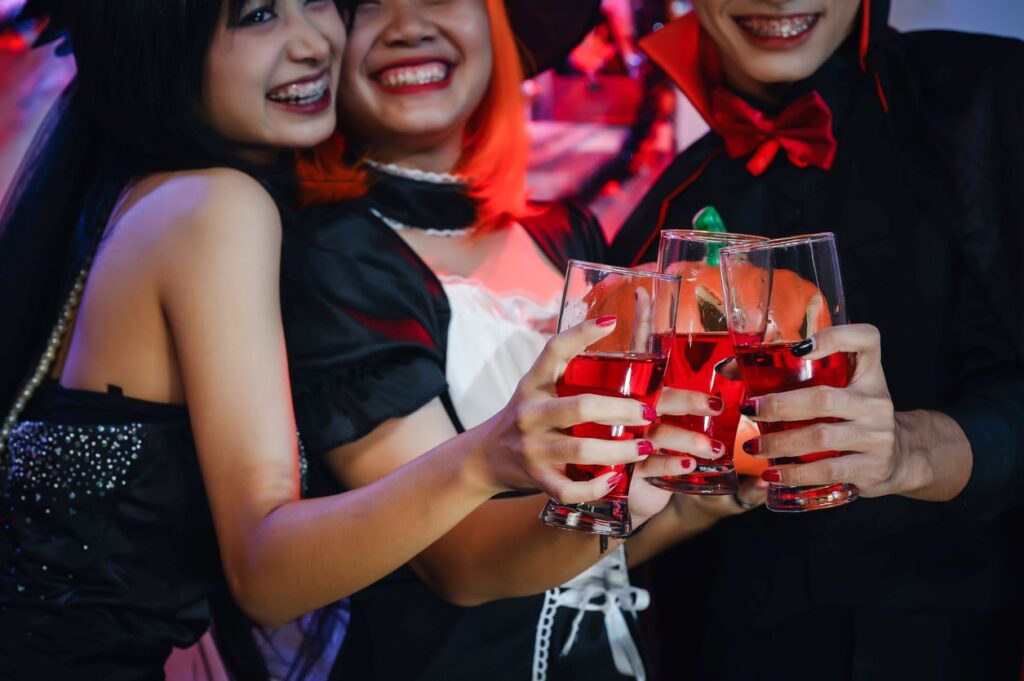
[(494, 153)]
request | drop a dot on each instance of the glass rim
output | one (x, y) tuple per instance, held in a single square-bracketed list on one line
[(625, 271), (784, 242), (711, 237)]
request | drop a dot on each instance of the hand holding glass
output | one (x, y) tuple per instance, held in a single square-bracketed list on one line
[(778, 293), (629, 362), (702, 341)]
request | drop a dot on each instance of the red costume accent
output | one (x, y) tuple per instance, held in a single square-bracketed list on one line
[(803, 129)]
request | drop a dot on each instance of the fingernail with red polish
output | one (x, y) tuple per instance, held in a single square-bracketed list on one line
[(717, 447), (606, 320), (689, 464), (644, 448), (749, 407), (650, 413), (752, 446), (716, 403), (771, 475), (802, 348), (614, 481)]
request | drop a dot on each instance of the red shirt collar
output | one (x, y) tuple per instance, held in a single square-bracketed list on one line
[(690, 58)]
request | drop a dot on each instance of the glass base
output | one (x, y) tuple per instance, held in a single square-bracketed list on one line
[(811, 498), (710, 477), (609, 517)]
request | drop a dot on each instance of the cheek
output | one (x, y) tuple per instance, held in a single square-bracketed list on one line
[(481, 70), (710, 13), (337, 37), (233, 94), (234, 97)]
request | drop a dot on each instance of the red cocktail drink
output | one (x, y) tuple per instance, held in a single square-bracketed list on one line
[(629, 362), (692, 367), (779, 293), (702, 343), (637, 376)]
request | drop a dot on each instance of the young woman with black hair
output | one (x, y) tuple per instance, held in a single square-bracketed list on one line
[(151, 464)]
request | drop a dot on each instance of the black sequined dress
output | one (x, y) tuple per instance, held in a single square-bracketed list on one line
[(107, 551)]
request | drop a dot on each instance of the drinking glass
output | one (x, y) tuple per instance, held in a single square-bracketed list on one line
[(702, 342), (628, 362), (778, 293)]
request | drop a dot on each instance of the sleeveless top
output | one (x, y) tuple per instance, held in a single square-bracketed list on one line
[(107, 552), (374, 334)]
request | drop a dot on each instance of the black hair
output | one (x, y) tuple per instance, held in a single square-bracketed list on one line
[(133, 108)]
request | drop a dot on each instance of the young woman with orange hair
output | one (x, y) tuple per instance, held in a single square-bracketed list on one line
[(413, 310)]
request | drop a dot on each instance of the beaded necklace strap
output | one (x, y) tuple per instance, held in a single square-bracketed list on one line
[(416, 173), (45, 362), (400, 226)]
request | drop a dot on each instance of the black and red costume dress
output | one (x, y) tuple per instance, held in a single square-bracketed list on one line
[(910, 148), (374, 334)]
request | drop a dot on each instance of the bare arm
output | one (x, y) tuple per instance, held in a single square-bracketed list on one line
[(937, 458), (218, 280), (501, 550), (282, 556)]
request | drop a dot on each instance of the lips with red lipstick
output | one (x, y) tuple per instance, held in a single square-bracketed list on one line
[(410, 76), (306, 95), (777, 31)]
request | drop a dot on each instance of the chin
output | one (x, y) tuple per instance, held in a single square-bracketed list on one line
[(418, 129), (776, 68), (307, 136)]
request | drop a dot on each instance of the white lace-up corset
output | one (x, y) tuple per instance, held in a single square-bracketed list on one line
[(493, 340)]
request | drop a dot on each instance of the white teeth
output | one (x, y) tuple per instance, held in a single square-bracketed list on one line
[(420, 74), (788, 27), (301, 93)]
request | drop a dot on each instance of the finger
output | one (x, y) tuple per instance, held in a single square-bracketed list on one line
[(848, 468), (565, 449), (689, 402), (566, 491), (729, 368), (863, 339), (641, 320), (562, 347), (563, 412), (752, 491), (680, 440), (819, 437), (664, 465), (819, 401)]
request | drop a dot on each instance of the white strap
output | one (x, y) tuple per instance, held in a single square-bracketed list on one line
[(607, 581)]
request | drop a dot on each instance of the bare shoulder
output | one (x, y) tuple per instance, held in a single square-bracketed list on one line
[(201, 218), (202, 204)]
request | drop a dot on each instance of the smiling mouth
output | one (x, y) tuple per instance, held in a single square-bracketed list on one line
[(302, 93), (418, 74), (784, 28)]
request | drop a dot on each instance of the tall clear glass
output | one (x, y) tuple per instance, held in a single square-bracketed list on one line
[(778, 293), (702, 341), (629, 362)]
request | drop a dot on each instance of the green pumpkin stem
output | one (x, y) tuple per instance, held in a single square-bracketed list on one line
[(708, 219)]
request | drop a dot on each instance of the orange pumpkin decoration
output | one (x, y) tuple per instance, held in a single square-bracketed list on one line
[(797, 307)]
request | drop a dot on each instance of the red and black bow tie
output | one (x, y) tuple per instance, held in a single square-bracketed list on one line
[(803, 129)]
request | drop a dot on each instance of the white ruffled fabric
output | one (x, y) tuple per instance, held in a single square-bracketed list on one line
[(493, 340)]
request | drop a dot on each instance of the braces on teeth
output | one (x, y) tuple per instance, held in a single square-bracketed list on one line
[(778, 28), (301, 92)]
